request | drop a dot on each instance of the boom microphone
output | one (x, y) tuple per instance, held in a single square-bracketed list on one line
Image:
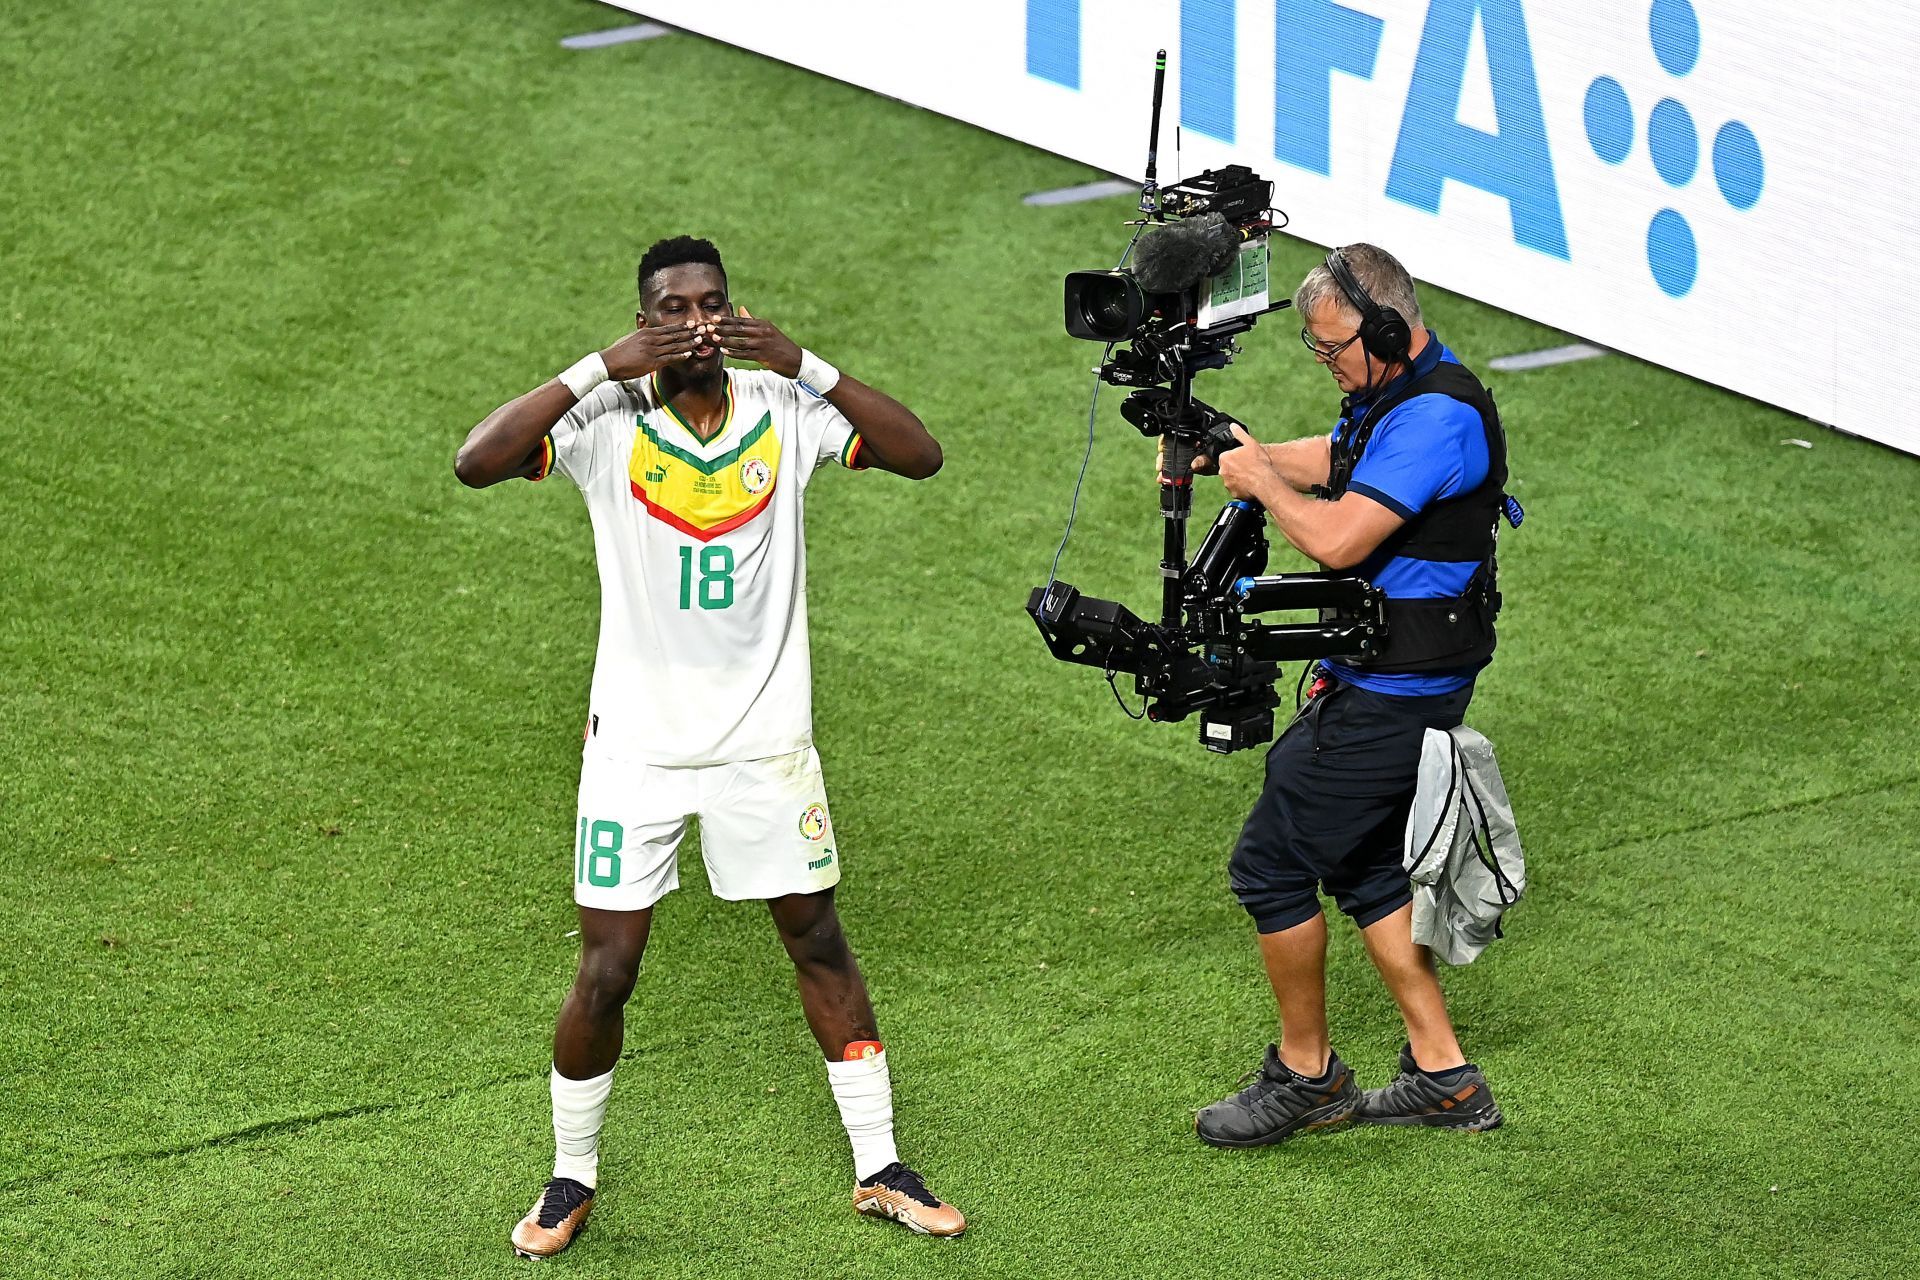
[(1179, 255)]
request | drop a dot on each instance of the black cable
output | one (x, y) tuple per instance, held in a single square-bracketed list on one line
[(1073, 511), (1093, 408)]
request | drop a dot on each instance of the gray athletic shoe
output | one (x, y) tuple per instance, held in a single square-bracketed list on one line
[(1462, 1101), (1278, 1103)]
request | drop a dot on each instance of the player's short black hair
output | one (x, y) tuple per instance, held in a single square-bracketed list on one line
[(675, 251)]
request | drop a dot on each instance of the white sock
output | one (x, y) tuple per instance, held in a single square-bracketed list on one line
[(865, 1095), (579, 1108)]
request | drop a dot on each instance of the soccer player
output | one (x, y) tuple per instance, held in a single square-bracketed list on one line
[(702, 695)]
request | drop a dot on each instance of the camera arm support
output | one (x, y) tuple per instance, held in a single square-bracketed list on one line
[(1352, 615)]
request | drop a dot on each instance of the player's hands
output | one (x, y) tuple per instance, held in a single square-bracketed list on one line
[(648, 348), (1247, 472), (746, 337)]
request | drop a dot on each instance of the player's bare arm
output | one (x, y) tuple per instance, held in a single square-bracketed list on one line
[(896, 439), (506, 443), (1337, 534)]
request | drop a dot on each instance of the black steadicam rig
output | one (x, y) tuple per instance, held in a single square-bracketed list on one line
[(1199, 280)]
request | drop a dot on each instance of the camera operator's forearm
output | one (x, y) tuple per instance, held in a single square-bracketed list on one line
[(895, 439), (1338, 534), (1302, 463), (503, 445)]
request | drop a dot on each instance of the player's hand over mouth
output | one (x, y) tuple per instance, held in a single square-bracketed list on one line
[(746, 337), (648, 348)]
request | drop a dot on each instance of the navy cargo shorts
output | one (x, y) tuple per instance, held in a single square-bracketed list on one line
[(1333, 813)]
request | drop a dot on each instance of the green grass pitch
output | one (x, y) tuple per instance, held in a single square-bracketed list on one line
[(289, 724)]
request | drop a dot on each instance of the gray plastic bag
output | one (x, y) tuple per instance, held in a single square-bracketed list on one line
[(1462, 850)]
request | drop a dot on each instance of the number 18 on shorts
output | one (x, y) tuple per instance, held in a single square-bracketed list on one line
[(764, 829)]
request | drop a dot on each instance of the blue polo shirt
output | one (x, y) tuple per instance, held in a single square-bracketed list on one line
[(1424, 450)]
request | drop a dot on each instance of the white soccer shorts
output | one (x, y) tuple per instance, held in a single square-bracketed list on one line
[(764, 829)]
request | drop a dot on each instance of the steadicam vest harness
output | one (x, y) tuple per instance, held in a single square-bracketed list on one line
[(1450, 632)]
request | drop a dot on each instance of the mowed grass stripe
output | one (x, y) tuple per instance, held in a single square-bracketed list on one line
[(1551, 1069)]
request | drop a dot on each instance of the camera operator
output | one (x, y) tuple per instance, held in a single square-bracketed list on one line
[(1404, 492)]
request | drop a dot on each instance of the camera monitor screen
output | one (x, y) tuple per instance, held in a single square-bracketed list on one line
[(1240, 290)]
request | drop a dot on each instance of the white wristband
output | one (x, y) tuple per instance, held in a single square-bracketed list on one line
[(818, 376), (583, 377)]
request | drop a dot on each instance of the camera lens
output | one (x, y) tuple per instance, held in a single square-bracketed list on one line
[(1106, 314), (1104, 306)]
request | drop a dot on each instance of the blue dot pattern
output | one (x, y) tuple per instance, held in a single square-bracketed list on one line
[(1675, 146), (1738, 170), (1676, 35), (1671, 253), (1609, 120)]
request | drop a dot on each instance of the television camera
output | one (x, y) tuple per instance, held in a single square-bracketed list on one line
[(1199, 279)]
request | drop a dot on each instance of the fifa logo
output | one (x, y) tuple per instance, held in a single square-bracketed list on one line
[(1318, 39)]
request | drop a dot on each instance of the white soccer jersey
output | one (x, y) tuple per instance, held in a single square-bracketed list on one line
[(703, 655)]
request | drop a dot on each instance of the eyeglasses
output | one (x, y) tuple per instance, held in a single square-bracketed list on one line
[(1325, 354)]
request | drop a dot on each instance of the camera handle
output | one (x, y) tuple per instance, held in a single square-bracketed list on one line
[(1176, 505), (1181, 447)]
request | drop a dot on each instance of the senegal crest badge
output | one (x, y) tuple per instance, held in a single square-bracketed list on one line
[(755, 476)]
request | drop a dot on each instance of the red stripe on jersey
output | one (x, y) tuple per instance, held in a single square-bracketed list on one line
[(728, 525)]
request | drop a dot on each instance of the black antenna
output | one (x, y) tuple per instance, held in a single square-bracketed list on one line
[(1150, 190)]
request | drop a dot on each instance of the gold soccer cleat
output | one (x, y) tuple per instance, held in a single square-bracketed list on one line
[(555, 1219), (897, 1192)]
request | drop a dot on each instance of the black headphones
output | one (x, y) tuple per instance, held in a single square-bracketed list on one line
[(1383, 331)]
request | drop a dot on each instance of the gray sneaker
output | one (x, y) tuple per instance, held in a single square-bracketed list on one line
[(1462, 1101), (1278, 1103)]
